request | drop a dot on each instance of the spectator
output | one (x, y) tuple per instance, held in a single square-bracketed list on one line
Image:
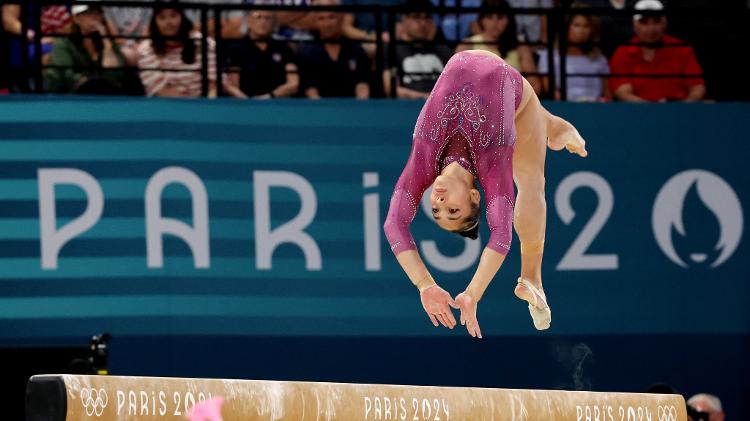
[(232, 21), (266, 66), (19, 78), (531, 28), (361, 26), (336, 66), (303, 25), (293, 25), (418, 61), (582, 57), (498, 35), (656, 55), (174, 46), (616, 30), (365, 21), (90, 62), (128, 21), (349, 30), (55, 20), (457, 27), (709, 404), (4, 59)]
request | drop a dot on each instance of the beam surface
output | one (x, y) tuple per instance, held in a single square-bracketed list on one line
[(112, 398)]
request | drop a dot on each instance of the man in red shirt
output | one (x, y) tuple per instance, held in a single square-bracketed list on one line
[(656, 55)]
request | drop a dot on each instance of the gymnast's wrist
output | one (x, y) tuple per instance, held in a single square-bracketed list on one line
[(473, 293), (424, 284)]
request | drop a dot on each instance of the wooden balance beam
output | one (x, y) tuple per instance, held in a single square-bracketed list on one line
[(110, 398)]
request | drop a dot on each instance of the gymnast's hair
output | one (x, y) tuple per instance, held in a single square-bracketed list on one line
[(470, 225)]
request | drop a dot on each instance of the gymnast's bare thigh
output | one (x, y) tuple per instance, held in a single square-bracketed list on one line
[(531, 130)]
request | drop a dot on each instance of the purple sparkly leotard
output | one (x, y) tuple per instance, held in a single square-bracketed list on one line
[(474, 101)]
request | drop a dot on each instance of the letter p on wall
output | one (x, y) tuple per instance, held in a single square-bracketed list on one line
[(53, 239)]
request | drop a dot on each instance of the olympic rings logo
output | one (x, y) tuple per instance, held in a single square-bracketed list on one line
[(94, 401), (666, 413)]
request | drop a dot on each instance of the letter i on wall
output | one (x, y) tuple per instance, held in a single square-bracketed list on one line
[(372, 223)]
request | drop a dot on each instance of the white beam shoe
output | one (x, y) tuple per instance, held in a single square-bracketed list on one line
[(539, 310)]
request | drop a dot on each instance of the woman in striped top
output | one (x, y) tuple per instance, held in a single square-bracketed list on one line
[(170, 62)]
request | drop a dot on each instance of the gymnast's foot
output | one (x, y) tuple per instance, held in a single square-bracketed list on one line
[(533, 293), (561, 134)]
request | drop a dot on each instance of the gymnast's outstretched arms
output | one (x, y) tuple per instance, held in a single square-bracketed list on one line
[(412, 183), (460, 110)]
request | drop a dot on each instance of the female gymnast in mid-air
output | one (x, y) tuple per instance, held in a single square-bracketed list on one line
[(482, 122)]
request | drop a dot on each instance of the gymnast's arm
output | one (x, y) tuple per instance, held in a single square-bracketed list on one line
[(500, 222), (499, 219), (489, 264), (415, 269), (403, 207), (404, 202)]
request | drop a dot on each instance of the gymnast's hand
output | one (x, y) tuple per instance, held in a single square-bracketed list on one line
[(437, 303), (469, 314)]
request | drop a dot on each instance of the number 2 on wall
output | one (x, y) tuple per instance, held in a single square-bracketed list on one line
[(576, 258)]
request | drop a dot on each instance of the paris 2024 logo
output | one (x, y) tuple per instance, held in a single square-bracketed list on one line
[(669, 218)]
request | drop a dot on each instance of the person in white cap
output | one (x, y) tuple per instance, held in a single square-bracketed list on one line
[(710, 404), (652, 52), (88, 57)]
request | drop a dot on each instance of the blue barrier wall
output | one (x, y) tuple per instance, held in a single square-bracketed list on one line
[(645, 253)]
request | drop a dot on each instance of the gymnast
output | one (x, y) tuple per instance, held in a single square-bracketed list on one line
[(482, 121)]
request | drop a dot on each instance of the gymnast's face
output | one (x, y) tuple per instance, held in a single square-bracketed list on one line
[(451, 201)]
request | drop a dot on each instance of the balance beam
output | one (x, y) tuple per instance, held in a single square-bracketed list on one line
[(112, 398)]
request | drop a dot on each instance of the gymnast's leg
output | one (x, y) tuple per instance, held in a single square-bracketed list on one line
[(536, 129), (530, 215)]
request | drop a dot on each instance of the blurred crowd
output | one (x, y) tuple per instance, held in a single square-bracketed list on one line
[(159, 51)]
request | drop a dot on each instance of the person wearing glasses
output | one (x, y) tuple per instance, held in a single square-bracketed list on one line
[(260, 66)]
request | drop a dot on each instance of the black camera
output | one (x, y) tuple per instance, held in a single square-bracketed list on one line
[(100, 353), (96, 361)]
